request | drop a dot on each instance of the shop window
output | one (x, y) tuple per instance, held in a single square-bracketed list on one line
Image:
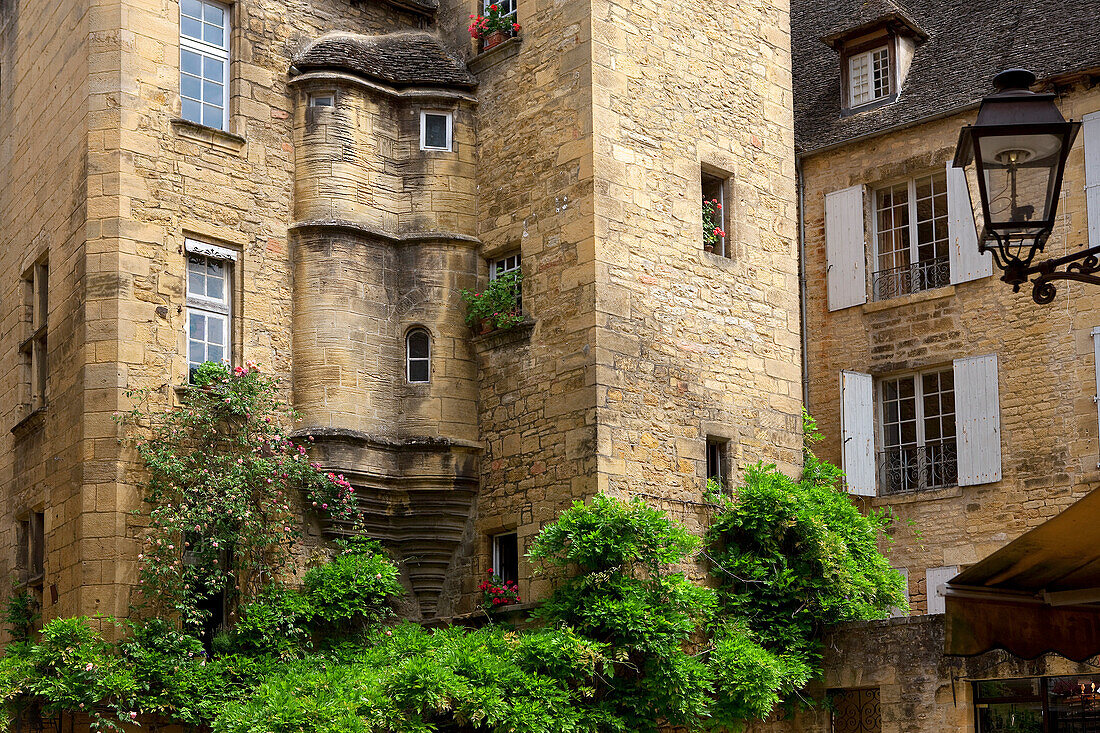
[(435, 130), (1038, 704), (204, 62), (418, 352), (506, 556)]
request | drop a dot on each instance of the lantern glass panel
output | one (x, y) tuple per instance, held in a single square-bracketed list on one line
[(1020, 177)]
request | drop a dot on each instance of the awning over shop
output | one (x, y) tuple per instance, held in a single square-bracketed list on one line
[(1039, 593)]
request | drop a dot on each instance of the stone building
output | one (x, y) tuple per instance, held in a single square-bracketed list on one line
[(967, 411), (309, 185)]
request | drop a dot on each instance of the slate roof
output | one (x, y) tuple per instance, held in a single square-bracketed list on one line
[(969, 42), (400, 60)]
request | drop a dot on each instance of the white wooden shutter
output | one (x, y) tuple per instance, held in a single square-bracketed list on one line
[(977, 420), (857, 429), (933, 579), (1091, 132), (962, 252), (1096, 366), (845, 250)]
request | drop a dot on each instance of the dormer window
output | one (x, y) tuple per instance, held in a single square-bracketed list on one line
[(869, 76)]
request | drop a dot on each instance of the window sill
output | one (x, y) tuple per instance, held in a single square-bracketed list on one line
[(487, 59), (919, 297), (32, 422), (210, 135), (717, 260), (513, 335), (912, 497)]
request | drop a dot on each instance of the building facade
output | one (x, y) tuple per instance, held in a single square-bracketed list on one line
[(309, 186), (965, 410)]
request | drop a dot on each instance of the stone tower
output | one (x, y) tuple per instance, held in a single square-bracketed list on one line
[(341, 170)]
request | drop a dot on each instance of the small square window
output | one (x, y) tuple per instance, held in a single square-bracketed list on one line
[(506, 556), (322, 99), (435, 130), (869, 76)]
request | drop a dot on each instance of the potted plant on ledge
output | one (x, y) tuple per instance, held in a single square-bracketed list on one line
[(493, 28), (712, 218), (495, 307)]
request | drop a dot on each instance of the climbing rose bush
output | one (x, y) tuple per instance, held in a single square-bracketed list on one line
[(226, 485)]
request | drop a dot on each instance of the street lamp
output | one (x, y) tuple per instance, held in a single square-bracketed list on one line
[(1019, 145)]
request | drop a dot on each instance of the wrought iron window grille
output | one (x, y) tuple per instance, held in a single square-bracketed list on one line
[(907, 279), (912, 468)]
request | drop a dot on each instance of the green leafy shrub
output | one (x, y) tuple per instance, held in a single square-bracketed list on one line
[(625, 595), (497, 303), (277, 623), (353, 589), (21, 614)]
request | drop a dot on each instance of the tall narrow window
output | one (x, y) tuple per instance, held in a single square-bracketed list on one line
[(714, 215), (208, 305), (506, 266), (869, 76), (918, 432), (435, 130), (716, 459), (911, 238), (204, 62), (506, 556), (36, 290), (418, 356), (31, 558)]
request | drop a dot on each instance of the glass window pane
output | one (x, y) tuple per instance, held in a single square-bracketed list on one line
[(198, 326), (191, 28), (214, 15), (195, 352), (215, 331), (190, 86), (213, 34), (212, 93), (191, 7), (190, 62), (211, 68), (195, 284), (212, 116), (192, 111), (418, 370), (214, 353), (215, 288)]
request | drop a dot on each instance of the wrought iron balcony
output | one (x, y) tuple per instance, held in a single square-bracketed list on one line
[(905, 469), (923, 275)]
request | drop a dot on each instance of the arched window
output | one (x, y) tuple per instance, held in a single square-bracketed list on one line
[(418, 355)]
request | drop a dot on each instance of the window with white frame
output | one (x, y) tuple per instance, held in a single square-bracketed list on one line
[(418, 356), (435, 130), (35, 346), (911, 237), (209, 286), (322, 99), (869, 76), (508, 8), (917, 419), (204, 62), (506, 266)]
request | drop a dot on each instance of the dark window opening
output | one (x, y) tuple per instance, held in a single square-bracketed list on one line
[(716, 460), (31, 550), (435, 133), (506, 556), (715, 217), (856, 711), (418, 360)]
